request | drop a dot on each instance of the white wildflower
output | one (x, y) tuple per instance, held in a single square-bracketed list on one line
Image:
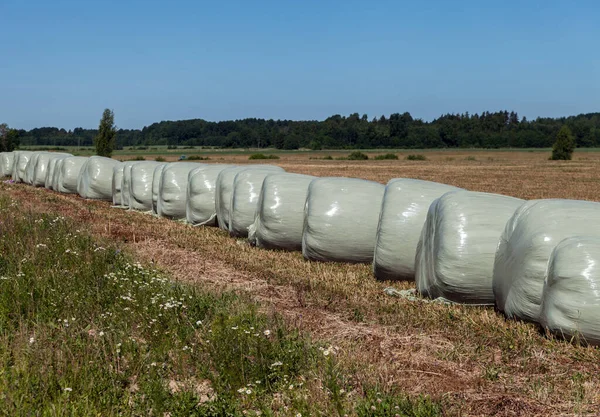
[(68, 389), (267, 332), (31, 340)]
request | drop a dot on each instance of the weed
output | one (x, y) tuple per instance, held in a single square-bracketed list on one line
[(417, 157), (262, 156), (198, 158), (386, 156), (160, 159)]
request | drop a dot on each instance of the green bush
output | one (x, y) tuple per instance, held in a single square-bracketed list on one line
[(139, 158), (417, 157), (386, 156), (198, 158), (357, 156), (160, 159), (563, 148), (262, 156)]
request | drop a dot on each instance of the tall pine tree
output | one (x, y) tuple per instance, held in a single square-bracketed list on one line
[(105, 141), (564, 146)]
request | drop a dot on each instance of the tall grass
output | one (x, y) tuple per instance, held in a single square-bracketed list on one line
[(84, 330)]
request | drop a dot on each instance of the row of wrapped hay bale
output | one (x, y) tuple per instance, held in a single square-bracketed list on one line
[(534, 260)]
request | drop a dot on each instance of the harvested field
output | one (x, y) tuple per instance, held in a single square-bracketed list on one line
[(470, 359)]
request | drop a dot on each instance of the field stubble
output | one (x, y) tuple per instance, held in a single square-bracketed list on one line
[(471, 359)]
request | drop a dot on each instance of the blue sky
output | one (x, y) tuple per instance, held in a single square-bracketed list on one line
[(62, 61)]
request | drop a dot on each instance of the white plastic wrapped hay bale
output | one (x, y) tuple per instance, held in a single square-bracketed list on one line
[(68, 174), (172, 191), (455, 254), (30, 167), (340, 220), (156, 177), (279, 217), (247, 186), (96, 178), (7, 160), (525, 247), (200, 203), (224, 190), (56, 174), (50, 171), (117, 183), (20, 165), (40, 169), (140, 189), (403, 213), (570, 299), (126, 183)]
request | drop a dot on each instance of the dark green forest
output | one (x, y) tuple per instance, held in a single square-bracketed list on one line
[(486, 130)]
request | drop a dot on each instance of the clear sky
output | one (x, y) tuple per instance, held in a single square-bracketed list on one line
[(63, 61)]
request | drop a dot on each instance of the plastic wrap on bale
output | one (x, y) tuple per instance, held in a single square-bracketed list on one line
[(117, 182), (340, 219), (7, 160), (20, 165), (140, 189), (30, 167), (200, 203), (403, 213), (571, 297), (156, 177), (40, 169), (96, 178), (247, 185), (56, 175), (224, 190), (279, 217), (50, 172), (173, 189), (455, 254), (525, 247), (68, 174), (126, 183)]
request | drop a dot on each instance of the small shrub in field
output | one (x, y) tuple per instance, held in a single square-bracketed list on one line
[(357, 156), (386, 156), (563, 148), (328, 158), (198, 158), (470, 158), (262, 156), (139, 158), (160, 159), (417, 157)]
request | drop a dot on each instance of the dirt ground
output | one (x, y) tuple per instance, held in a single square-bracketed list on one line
[(471, 359)]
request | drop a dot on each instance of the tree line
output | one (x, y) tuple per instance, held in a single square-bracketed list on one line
[(486, 130)]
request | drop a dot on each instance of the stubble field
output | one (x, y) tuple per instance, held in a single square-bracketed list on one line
[(470, 360)]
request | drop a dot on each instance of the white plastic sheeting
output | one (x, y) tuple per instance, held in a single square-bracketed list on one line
[(40, 166), (56, 174), (571, 295), (126, 183), (68, 174), (279, 217), (340, 219), (224, 190), (403, 213), (140, 189), (172, 191), (247, 185), (96, 177), (200, 203), (117, 183), (50, 170), (7, 160), (30, 167), (20, 165), (455, 254), (156, 177), (525, 247)]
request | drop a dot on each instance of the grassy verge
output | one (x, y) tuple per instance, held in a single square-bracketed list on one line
[(84, 330)]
